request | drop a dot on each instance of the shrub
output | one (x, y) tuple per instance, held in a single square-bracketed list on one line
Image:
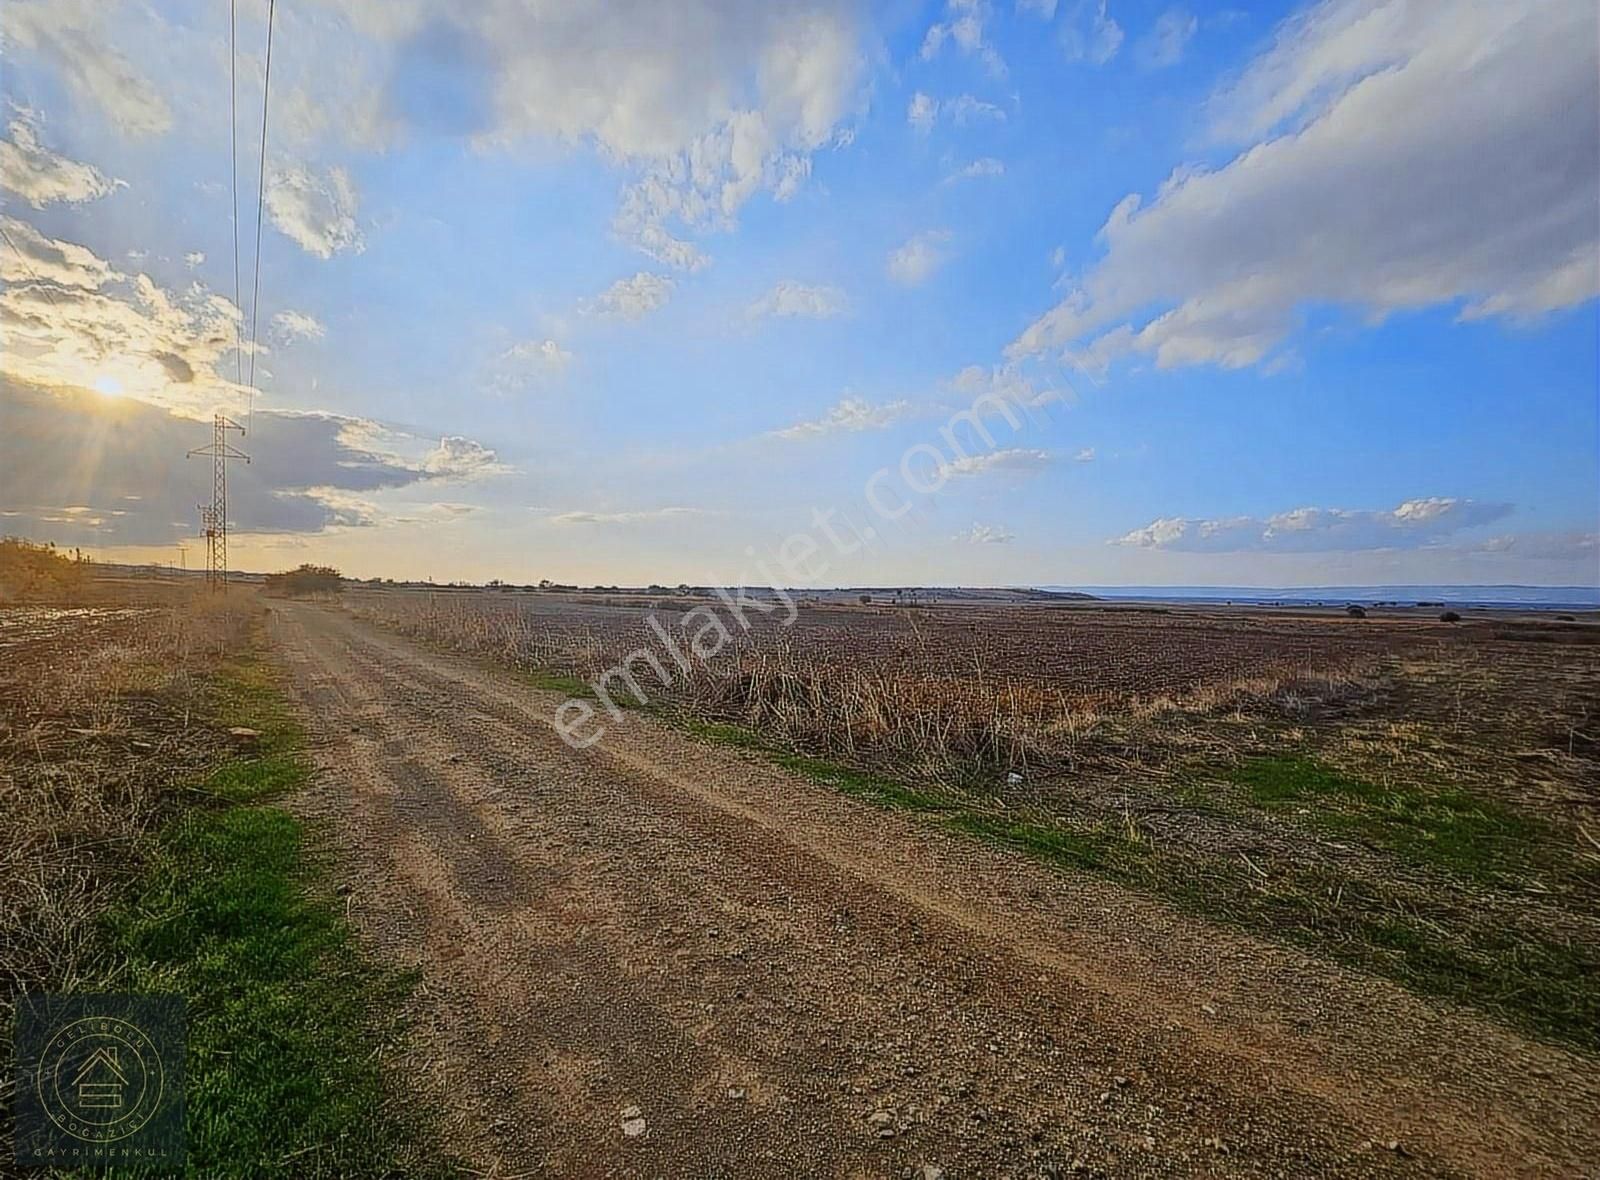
[(39, 573), (306, 581), (1356, 612), (1449, 616)]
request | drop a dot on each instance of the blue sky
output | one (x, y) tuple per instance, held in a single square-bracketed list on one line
[(1283, 293)]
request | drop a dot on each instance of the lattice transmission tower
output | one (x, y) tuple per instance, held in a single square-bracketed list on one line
[(214, 517)]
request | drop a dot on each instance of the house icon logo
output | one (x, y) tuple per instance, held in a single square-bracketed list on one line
[(100, 1079), (101, 1082)]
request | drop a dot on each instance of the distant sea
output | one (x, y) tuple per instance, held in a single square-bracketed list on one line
[(1524, 597)]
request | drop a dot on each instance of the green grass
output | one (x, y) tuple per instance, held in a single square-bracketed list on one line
[(562, 682), (1448, 828), (1541, 984), (290, 1029)]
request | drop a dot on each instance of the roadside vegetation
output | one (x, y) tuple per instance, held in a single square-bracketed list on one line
[(1417, 803), (144, 757), (39, 573)]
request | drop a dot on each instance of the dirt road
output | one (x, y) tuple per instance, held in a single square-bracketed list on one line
[(662, 958)]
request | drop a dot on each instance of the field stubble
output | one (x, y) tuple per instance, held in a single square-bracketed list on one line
[(1408, 797)]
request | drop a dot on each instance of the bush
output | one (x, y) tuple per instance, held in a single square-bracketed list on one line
[(306, 581), (1356, 612), (1450, 616), (39, 573)]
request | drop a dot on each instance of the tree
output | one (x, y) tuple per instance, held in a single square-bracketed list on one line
[(306, 581)]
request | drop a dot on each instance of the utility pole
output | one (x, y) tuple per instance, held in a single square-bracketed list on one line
[(215, 516)]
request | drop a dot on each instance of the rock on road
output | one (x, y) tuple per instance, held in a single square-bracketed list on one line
[(657, 957)]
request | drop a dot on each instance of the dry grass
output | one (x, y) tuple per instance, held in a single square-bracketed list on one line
[(99, 718), (941, 696)]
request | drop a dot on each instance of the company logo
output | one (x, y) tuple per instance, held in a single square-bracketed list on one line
[(100, 1079)]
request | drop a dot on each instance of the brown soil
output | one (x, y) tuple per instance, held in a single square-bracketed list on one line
[(785, 981)]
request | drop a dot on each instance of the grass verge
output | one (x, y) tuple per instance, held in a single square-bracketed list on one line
[(290, 1029), (1541, 984), (1454, 830)]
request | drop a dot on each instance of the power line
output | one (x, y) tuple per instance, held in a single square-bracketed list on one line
[(261, 195), (233, 170)]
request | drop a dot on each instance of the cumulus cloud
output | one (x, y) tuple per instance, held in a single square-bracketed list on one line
[(297, 325), (40, 260), (1005, 459), (544, 354), (194, 258), (40, 176), (460, 459), (1089, 34), (71, 319), (964, 27), (316, 212), (631, 298), (75, 37), (986, 534), (641, 516), (308, 472), (789, 298), (964, 111), (849, 416), (1400, 160), (920, 256), (1313, 530), (1164, 45)]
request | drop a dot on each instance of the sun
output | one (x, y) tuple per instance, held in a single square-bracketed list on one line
[(108, 385)]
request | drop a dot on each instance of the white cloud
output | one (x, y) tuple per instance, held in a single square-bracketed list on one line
[(546, 354), (1045, 10), (317, 213), (308, 472), (1005, 459), (1089, 34), (985, 534), (1164, 45), (194, 258), (849, 416), (967, 110), (1086, 455), (633, 297), (33, 257), (460, 459), (963, 110), (963, 27), (641, 516), (291, 325), (40, 176), (70, 319), (792, 299), (1408, 163), (1313, 530), (76, 37), (1571, 545), (986, 166), (916, 260)]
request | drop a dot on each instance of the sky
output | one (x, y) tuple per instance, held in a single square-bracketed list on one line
[(1250, 294)]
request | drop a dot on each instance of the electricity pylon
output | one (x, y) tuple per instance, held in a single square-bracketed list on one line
[(215, 517)]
